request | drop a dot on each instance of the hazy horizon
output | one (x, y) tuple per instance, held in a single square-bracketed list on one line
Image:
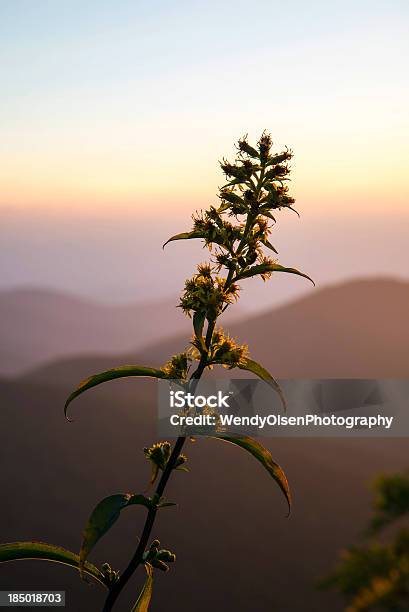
[(89, 260), (114, 118)]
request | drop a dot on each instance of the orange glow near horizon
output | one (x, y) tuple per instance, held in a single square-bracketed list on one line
[(99, 118), (356, 183)]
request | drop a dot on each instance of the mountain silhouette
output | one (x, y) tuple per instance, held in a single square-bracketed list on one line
[(357, 329)]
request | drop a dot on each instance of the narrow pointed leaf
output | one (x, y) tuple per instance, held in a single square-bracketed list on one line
[(267, 213), (121, 372), (144, 599), (278, 159), (154, 475), (258, 370), (198, 323), (294, 210), (262, 268), (18, 551), (264, 456), (236, 181), (184, 236), (104, 515), (268, 244), (166, 504), (232, 198)]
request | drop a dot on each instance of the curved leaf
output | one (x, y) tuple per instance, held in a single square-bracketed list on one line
[(236, 181), (261, 268), (104, 515), (144, 599), (17, 551), (184, 236), (166, 504), (294, 210), (121, 372), (198, 323), (268, 244), (232, 198), (267, 213), (258, 370), (264, 456)]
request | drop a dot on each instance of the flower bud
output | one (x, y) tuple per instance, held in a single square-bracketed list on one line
[(231, 197), (244, 147), (166, 555), (181, 460), (159, 565), (264, 145), (278, 159), (276, 172)]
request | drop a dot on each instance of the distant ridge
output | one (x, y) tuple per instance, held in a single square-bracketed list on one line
[(41, 325), (60, 470), (38, 325), (356, 329)]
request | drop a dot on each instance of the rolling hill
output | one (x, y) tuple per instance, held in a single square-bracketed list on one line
[(39, 325), (235, 548), (357, 329), (229, 528)]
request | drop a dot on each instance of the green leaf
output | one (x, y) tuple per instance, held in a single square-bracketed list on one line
[(17, 551), (258, 370), (144, 599), (261, 268), (236, 181), (294, 210), (121, 372), (232, 197), (267, 213), (268, 244), (155, 472), (278, 159), (104, 515), (166, 504), (264, 456), (198, 323), (184, 236)]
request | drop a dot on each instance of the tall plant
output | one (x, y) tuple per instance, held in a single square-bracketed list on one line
[(237, 234)]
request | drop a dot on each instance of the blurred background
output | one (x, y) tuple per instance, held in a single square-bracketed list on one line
[(113, 118)]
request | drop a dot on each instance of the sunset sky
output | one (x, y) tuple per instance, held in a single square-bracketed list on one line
[(114, 115)]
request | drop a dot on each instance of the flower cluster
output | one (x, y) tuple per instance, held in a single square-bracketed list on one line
[(177, 367), (237, 233), (110, 575), (156, 556), (224, 350), (210, 225), (159, 454), (256, 188), (208, 293), (212, 427)]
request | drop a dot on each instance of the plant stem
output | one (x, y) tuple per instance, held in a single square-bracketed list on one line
[(150, 519), (137, 559)]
